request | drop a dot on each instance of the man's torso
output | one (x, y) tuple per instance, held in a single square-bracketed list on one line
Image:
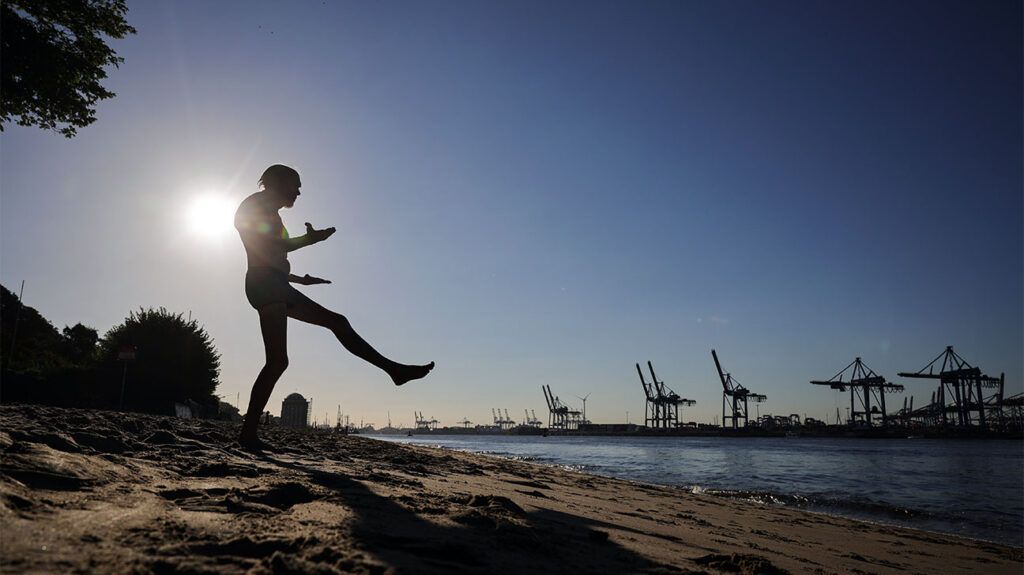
[(262, 232)]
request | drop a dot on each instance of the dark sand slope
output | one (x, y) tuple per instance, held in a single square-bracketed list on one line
[(91, 491)]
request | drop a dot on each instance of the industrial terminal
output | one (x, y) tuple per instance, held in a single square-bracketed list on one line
[(964, 402)]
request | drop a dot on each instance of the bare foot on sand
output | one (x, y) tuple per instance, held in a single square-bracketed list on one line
[(403, 374), (253, 445)]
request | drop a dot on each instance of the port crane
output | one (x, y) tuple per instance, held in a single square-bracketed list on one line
[(502, 421), (864, 384), (661, 410), (424, 424), (531, 420), (961, 399), (734, 396), (559, 414)]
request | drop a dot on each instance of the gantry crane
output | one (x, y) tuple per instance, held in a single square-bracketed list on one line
[(961, 399), (530, 421), (559, 414), (661, 410), (864, 384), (502, 421), (423, 423), (734, 396), (905, 416), (1013, 413)]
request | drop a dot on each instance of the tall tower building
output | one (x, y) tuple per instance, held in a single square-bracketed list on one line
[(295, 411)]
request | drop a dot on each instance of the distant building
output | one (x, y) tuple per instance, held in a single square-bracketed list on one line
[(295, 411)]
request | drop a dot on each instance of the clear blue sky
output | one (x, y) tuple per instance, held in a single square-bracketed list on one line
[(539, 193)]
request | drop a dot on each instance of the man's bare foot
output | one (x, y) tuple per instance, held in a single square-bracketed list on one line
[(253, 444), (403, 374)]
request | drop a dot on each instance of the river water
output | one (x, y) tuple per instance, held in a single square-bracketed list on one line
[(972, 488)]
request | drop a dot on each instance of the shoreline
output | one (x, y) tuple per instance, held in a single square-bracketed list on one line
[(897, 504), (136, 493), (736, 494), (838, 432)]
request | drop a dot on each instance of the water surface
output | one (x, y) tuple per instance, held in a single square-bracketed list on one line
[(972, 488)]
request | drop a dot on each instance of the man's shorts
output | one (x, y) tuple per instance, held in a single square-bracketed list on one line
[(267, 286)]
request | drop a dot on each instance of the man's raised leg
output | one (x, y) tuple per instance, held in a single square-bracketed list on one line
[(311, 312)]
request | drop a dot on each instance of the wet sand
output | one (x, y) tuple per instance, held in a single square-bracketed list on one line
[(95, 491)]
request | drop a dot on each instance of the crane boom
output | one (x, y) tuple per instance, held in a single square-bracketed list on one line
[(721, 372)]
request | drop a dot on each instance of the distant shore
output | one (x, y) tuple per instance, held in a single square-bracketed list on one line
[(832, 431), (88, 491)]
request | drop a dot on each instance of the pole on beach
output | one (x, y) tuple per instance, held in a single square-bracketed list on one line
[(14, 332), (126, 354), (124, 378)]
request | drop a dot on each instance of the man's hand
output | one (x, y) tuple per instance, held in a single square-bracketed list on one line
[(308, 280), (318, 235), (312, 236)]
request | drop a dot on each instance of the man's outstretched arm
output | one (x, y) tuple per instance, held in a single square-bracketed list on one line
[(306, 280), (312, 236)]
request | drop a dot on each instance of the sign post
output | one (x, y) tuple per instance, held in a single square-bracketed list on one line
[(125, 354)]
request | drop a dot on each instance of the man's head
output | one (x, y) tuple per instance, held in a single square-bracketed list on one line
[(282, 182)]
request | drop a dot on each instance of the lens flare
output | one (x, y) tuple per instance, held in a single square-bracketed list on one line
[(210, 216)]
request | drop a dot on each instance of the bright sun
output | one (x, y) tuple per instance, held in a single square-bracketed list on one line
[(210, 216)]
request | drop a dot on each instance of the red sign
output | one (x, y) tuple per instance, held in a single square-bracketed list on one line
[(126, 353)]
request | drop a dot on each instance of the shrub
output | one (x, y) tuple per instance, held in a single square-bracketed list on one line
[(175, 360)]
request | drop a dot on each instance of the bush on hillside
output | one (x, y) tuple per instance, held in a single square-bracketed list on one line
[(175, 360), (42, 365)]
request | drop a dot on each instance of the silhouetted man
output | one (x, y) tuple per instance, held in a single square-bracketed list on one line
[(268, 288)]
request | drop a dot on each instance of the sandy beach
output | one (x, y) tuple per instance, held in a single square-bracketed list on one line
[(95, 491)]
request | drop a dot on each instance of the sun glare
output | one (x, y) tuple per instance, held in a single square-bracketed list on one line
[(210, 216)]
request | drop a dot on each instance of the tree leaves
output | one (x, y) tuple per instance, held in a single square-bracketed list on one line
[(175, 359), (53, 55)]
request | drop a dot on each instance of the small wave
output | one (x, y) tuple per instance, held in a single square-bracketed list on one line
[(763, 497), (866, 509), (819, 501), (573, 468), (506, 455), (527, 458), (538, 460)]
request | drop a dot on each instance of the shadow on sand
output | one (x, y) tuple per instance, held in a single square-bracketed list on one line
[(166, 495), (493, 534)]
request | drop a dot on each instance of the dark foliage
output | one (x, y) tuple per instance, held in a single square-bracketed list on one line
[(90, 387), (228, 412), (53, 55), (37, 346), (80, 344), (41, 365), (175, 360)]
